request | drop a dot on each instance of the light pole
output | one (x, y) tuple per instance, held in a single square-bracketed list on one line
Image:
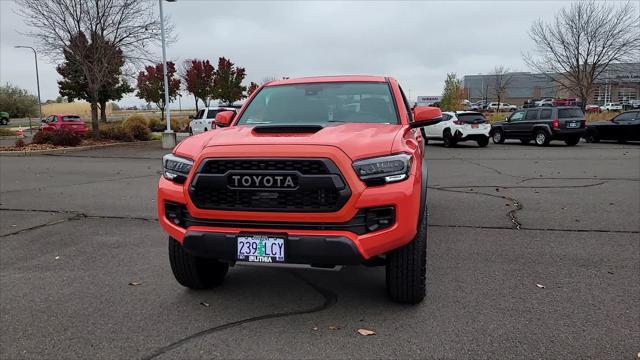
[(35, 55), (168, 137)]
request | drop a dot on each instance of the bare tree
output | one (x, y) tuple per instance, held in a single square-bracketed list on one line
[(500, 81), (582, 41), (104, 27)]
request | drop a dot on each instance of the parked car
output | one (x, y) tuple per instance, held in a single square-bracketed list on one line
[(493, 106), (64, 121), (4, 118), (565, 102), (544, 102), (635, 104), (541, 125), (460, 126), (296, 179), (623, 127), (205, 119), (592, 109), (611, 107)]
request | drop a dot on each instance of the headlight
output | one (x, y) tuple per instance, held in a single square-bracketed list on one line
[(175, 168), (383, 170)]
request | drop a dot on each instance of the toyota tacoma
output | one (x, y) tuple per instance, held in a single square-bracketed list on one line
[(312, 172)]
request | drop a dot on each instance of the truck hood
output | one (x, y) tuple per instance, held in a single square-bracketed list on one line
[(357, 140)]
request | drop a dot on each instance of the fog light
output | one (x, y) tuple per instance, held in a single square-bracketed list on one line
[(175, 213), (380, 218)]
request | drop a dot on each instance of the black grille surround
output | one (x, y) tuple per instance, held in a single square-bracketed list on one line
[(364, 221), (320, 186)]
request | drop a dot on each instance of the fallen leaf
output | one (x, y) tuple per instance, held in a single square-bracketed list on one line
[(315, 328), (13, 225), (540, 286), (133, 283), (366, 332), (57, 257), (204, 304), (334, 327)]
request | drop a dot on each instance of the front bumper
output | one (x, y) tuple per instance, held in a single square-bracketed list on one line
[(303, 249)]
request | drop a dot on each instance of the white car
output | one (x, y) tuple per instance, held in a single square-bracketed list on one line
[(205, 119), (611, 107), (508, 107), (460, 126), (544, 102)]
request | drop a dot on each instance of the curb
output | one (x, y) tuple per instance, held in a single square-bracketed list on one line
[(73, 149)]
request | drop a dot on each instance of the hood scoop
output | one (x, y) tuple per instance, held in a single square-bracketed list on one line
[(287, 129)]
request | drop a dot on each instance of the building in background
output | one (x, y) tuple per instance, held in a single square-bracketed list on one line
[(620, 83)]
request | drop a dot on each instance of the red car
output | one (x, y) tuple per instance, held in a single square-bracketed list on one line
[(70, 122), (312, 172)]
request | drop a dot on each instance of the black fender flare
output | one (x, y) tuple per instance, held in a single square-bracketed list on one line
[(424, 182), (544, 127)]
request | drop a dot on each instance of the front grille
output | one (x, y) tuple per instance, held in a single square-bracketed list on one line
[(305, 167), (321, 186)]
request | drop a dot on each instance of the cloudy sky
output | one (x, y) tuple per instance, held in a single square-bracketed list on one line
[(417, 42)]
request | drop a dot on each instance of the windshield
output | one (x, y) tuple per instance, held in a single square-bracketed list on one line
[(71, 118), (320, 103)]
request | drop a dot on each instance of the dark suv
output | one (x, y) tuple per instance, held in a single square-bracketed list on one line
[(542, 125)]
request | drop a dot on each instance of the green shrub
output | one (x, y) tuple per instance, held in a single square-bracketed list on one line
[(64, 137), (138, 131), (116, 132), (42, 137)]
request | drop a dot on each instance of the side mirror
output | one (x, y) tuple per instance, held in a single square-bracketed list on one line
[(506, 119), (425, 116), (191, 117), (44, 121), (224, 118)]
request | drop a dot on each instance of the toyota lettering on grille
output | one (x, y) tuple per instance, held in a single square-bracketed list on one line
[(262, 181)]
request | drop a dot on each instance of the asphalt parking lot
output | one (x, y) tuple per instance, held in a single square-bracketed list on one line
[(532, 253)]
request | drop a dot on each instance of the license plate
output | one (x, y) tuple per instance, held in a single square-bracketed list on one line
[(260, 248), (474, 126), (573, 125)]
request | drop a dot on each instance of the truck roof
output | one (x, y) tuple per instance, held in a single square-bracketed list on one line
[(321, 79)]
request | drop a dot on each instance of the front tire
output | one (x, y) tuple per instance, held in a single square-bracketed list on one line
[(483, 142), (406, 269), (195, 272), (190, 131), (541, 138), (591, 138), (497, 137), (574, 140)]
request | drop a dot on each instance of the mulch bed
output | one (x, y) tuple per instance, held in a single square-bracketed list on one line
[(39, 147)]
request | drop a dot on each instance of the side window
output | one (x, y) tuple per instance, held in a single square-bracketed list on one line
[(406, 104), (446, 117), (211, 114), (52, 119), (545, 114), (531, 115), (199, 115), (516, 116)]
